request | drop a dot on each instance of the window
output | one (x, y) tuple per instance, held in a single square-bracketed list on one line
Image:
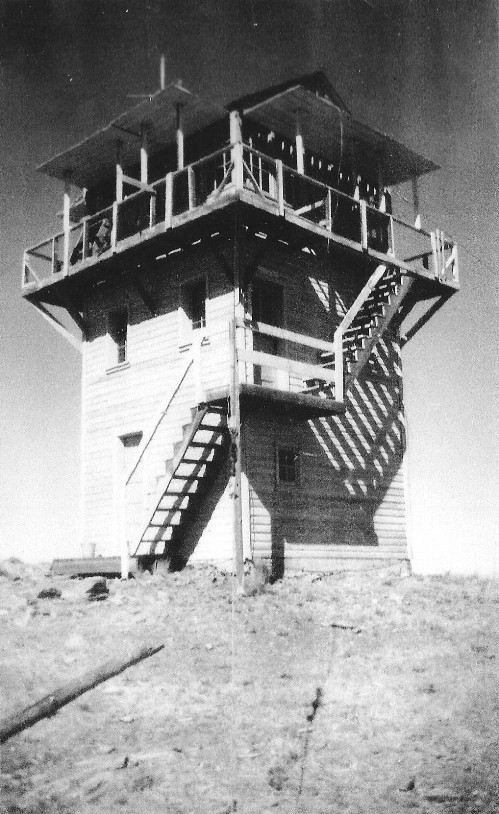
[(195, 303), (288, 465), (267, 302), (118, 331)]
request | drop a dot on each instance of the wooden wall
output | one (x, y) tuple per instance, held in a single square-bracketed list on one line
[(348, 507), (119, 400)]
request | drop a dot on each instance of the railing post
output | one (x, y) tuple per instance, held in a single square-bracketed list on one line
[(329, 211), (168, 200), (338, 366), (114, 230), (392, 237), (66, 222), (84, 238), (152, 211), (236, 149), (363, 224), (53, 262), (190, 186), (280, 186)]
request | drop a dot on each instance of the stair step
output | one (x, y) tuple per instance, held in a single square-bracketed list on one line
[(215, 420), (208, 437), (183, 487), (165, 518), (152, 535), (187, 471), (216, 441), (170, 502), (196, 454)]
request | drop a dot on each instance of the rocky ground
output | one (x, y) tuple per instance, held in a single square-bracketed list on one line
[(355, 693)]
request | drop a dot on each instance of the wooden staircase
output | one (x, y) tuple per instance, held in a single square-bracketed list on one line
[(375, 308), (195, 464)]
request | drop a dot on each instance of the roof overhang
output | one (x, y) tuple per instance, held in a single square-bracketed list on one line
[(333, 133), (94, 158)]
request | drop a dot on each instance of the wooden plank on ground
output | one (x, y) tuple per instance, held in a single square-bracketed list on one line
[(61, 696)]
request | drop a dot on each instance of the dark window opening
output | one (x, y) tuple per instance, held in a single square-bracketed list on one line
[(195, 303), (287, 465), (118, 331), (267, 302)]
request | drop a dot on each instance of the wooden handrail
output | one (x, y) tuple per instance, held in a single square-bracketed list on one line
[(302, 369), (289, 336)]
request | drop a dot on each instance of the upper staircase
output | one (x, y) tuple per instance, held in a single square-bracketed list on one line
[(195, 464), (374, 309)]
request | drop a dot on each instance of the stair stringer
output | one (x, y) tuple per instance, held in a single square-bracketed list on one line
[(391, 310), (178, 493)]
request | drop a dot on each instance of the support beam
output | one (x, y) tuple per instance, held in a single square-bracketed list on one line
[(74, 313), (58, 326), (404, 339), (180, 138), (300, 159)]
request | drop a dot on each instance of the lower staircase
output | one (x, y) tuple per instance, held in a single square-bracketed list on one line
[(375, 308), (195, 464)]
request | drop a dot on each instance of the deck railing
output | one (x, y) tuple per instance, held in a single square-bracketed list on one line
[(285, 372), (242, 170)]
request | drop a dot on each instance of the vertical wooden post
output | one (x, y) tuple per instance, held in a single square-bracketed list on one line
[(168, 200), (280, 186), (329, 211), (66, 219), (190, 187), (300, 160), (162, 72), (144, 153), (338, 366), (119, 172), (363, 224), (124, 554), (180, 138), (236, 142), (235, 422), (415, 203)]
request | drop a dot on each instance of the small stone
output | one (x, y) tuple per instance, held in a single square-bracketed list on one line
[(49, 593), (209, 646), (441, 796), (127, 719), (410, 785)]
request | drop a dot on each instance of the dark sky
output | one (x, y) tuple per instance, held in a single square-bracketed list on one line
[(424, 71)]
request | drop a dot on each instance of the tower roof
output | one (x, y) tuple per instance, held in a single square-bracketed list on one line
[(94, 158), (327, 126), (329, 129)]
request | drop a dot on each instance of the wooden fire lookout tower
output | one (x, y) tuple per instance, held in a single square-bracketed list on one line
[(243, 288)]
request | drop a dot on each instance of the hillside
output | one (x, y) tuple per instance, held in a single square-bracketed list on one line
[(362, 693)]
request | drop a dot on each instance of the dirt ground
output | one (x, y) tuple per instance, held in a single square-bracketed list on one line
[(355, 693)]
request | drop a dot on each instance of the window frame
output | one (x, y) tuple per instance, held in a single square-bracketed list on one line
[(295, 451), (187, 326)]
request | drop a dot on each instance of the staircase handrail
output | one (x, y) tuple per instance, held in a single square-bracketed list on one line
[(345, 324), (159, 418)]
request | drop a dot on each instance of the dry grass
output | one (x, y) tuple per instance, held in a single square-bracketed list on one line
[(362, 693)]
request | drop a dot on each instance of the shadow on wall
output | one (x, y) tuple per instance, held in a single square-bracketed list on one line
[(362, 452)]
